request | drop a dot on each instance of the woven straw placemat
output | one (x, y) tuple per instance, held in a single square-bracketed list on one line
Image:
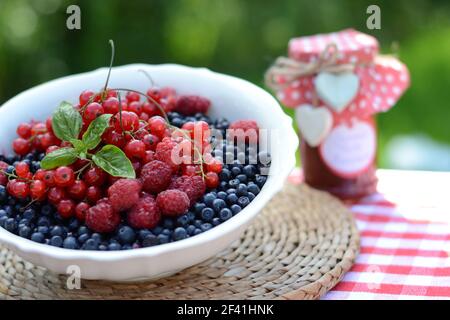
[(298, 248)]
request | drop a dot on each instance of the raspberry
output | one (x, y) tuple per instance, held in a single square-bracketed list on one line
[(145, 214), (164, 152), (155, 176), (190, 105), (193, 186), (102, 217), (124, 193), (249, 129), (172, 203)]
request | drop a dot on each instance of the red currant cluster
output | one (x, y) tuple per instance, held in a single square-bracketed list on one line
[(141, 130)]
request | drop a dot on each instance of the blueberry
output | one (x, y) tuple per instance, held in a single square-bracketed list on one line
[(143, 233), (35, 166), (9, 210), (206, 226), (127, 247), (38, 237), (24, 231), (56, 231), (191, 228), (260, 180), (10, 169), (209, 198), (223, 185), (179, 234), (231, 191), (97, 237), (235, 171), (253, 188), (198, 207), (29, 214), (241, 190), (183, 220), (43, 221), (234, 183), (249, 171), (46, 210), (43, 229), (91, 244), (222, 195), (73, 224), (242, 178), (251, 196), (126, 235), (235, 208), (215, 222), (168, 224), (207, 213), (150, 240), (3, 194), (157, 230), (191, 216), (197, 231), (225, 214), (83, 230), (167, 232), (83, 237), (56, 241), (3, 220), (3, 213), (243, 201), (102, 247), (198, 223), (162, 238), (218, 205), (225, 174), (10, 224), (232, 198), (114, 246), (70, 243)]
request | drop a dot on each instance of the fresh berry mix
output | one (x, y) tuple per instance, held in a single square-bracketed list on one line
[(122, 169)]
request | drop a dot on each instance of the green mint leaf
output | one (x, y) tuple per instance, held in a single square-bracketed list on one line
[(66, 122), (92, 136), (111, 159), (59, 157), (79, 145)]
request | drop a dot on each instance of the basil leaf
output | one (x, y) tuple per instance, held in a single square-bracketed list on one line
[(59, 157), (92, 136), (111, 159), (66, 122)]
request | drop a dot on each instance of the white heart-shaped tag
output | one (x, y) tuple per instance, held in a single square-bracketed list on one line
[(337, 90), (314, 123)]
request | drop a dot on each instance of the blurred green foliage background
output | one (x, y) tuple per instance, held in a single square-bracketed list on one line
[(240, 38)]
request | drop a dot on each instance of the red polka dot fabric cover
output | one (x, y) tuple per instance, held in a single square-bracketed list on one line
[(382, 79)]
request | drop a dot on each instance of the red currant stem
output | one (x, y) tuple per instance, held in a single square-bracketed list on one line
[(111, 42), (120, 114), (28, 205), (12, 176), (148, 76), (80, 171), (149, 98)]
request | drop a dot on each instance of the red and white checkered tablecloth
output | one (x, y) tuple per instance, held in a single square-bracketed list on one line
[(405, 239)]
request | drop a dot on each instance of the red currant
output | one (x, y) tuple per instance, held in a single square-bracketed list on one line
[(135, 107), (150, 109), (157, 126), (111, 105), (77, 190), (130, 121), (135, 149), (190, 170), (86, 96), (48, 124), (38, 189), (49, 178), (144, 116), (51, 149), (64, 176), (214, 165), (94, 176), (132, 96), (66, 208), (110, 93), (21, 146), (211, 180), (80, 210), (55, 195), (93, 194), (92, 111), (39, 174), (18, 189), (148, 157), (22, 169), (47, 140), (150, 141), (38, 128), (24, 130), (113, 137)]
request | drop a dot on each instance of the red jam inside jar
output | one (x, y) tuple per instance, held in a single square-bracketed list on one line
[(320, 176)]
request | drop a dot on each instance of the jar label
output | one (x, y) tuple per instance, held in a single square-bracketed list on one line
[(349, 150)]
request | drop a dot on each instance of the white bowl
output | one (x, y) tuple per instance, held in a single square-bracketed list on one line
[(231, 97)]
